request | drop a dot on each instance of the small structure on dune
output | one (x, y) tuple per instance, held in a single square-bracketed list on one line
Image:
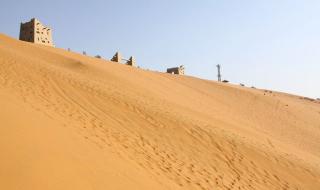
[(176, 70), (118, 58), (131, 61), (225, 81)]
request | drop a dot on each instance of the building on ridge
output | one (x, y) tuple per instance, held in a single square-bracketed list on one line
[(176, 70), (34, 32), (117, 57), (131, 61)]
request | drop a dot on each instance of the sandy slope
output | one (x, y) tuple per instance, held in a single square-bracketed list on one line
[(73, 122)]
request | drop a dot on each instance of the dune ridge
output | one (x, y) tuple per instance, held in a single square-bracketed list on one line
[(69, 121)]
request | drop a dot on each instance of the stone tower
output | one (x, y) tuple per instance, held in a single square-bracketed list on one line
[(33, 31)]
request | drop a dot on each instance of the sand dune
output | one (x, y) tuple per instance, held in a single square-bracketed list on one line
[(69, 121)]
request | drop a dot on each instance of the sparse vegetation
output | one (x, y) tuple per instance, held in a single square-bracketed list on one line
[(309, 99), (268, 91)]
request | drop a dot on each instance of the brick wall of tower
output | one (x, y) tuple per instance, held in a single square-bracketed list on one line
[(33, 31)]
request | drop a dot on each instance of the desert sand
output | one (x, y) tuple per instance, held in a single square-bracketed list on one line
[(69, 121)]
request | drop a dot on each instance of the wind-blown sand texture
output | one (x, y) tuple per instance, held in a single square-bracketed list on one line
[(69, 121)]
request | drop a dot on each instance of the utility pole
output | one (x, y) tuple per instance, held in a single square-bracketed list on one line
[(219, 72)]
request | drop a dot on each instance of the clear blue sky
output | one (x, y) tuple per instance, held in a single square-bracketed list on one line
[(272, 44)]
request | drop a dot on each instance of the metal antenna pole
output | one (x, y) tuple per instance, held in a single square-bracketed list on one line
[(219, 72)]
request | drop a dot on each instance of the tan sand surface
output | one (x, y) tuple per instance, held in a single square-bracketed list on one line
[(69, 121)]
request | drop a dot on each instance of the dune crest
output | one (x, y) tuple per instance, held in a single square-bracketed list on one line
[(69, 121)]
